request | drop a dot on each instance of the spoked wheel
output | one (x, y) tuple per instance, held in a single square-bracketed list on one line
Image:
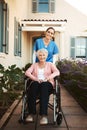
[(59, 118), (23, 112)]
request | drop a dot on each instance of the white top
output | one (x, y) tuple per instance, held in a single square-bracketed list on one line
[(41, 74)]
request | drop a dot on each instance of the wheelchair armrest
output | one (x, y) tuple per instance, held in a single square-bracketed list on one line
[(25, 77), (27, 80), (56, 78)]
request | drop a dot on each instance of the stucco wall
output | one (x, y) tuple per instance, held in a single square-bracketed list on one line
[(22, 9)]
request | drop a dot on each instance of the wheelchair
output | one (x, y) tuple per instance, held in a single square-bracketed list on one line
[(55, 105)]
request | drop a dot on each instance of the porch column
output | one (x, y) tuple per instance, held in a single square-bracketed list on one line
[(62, 46)]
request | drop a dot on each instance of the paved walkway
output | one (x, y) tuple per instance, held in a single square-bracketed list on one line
[(74, 117)]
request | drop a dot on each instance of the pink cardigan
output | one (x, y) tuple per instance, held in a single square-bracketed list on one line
[(50, 71)]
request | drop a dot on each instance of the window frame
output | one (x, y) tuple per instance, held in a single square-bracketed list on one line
[(17, 38), (4, 27), (35, 6), (74, 47)]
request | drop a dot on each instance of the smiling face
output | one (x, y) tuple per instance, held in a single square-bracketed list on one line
[(42, 56), (50, 33)]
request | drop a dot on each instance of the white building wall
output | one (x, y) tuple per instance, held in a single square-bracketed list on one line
[(18, 9), (22, 9), (76, 23)]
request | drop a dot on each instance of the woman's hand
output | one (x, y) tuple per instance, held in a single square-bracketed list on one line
[(47, 79), (41, 80)]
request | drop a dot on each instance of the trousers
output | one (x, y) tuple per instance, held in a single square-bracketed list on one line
[(43, 90)]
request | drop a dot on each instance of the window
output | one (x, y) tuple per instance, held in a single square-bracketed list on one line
[(79, 47), (4, 27), (17, 38), (43, 6)]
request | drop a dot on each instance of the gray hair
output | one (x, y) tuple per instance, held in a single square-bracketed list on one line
[(42, 50)]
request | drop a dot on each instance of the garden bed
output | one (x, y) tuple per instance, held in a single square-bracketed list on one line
[(2, 111), (7, 100), (8, 112), (11, 85), (73, 76)]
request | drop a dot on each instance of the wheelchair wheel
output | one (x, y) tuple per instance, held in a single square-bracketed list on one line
[(59, 118), (23, 111)]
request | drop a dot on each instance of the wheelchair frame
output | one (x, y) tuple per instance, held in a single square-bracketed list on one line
[(56, 106)]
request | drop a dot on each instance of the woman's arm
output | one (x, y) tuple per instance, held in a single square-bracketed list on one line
[(54, 71), (30, 72), (55, 58), (34, 57)]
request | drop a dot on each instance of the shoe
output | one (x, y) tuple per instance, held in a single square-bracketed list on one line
[(43, 120), (29, 118)]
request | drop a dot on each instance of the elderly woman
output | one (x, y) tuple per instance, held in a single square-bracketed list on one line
[(42, 74)]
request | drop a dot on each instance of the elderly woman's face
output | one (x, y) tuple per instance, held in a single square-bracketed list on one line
[(42, 56)]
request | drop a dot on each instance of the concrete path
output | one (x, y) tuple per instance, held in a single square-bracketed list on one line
[(74, 117)]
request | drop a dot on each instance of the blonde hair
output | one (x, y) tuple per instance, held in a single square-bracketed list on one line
[(43, 51)]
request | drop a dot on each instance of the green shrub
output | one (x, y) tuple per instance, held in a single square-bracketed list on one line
[(27, 66), (11, 80)]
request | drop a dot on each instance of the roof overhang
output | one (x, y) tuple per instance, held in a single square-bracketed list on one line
[(42, 25)]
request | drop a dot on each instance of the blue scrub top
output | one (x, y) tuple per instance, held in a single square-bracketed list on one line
[(51, 48)]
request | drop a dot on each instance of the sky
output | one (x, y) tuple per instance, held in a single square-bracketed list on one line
[(81, 5)]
